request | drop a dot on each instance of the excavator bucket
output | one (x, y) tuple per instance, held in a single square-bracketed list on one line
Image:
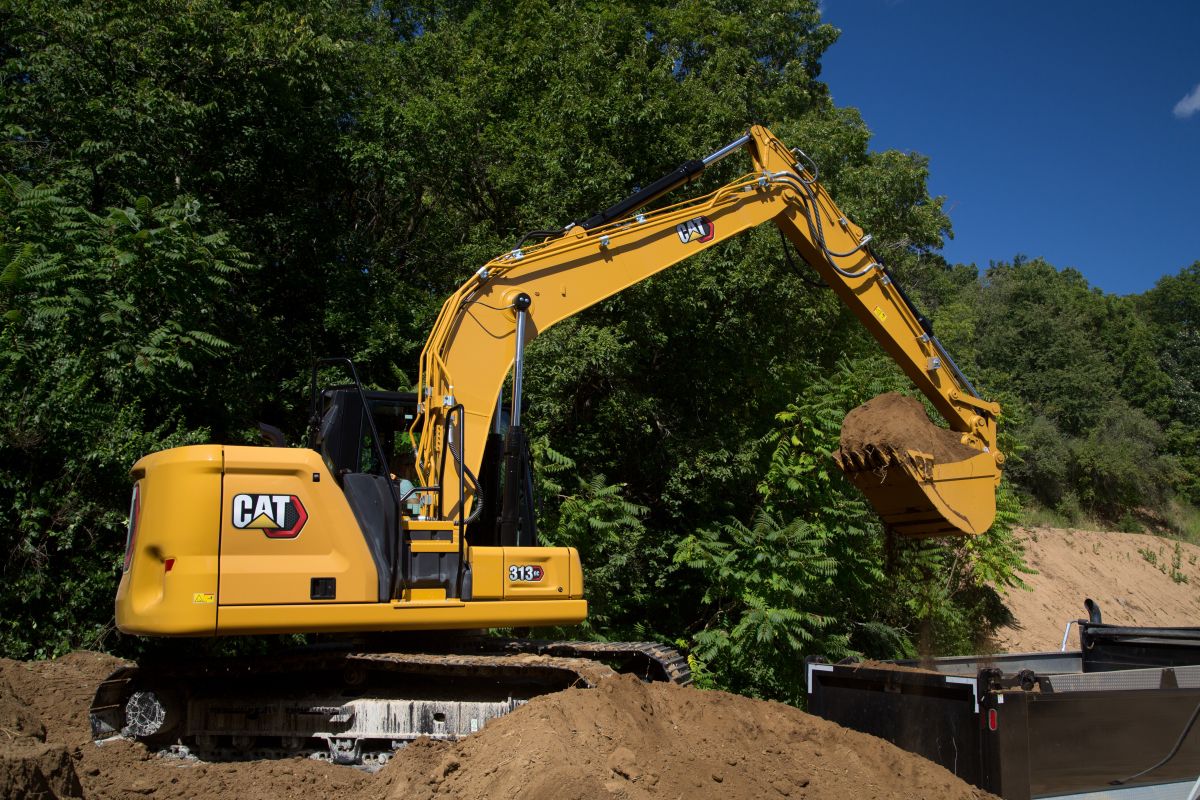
[(920, 478)]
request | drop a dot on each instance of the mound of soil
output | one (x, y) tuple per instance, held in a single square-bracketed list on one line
[(60, 691), (30, 767), (625, 739), (894, 423), (636, 740)]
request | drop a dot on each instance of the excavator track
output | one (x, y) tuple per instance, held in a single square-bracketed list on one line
[(648, 660), (352, 706)]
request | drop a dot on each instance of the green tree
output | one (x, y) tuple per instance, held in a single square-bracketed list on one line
[(814, 574), (1084, 374), (106, 322), (1173, 309)]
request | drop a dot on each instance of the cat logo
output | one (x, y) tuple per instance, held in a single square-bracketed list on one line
[(699, 229), (279, 516)]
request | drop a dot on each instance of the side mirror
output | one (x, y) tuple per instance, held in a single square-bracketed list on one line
[(272, 435)]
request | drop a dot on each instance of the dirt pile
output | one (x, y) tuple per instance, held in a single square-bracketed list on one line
[(29, 766), (628, 739), (625, 739), (894, 423), (60, 691)]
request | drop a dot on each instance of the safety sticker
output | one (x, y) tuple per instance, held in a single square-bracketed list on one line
[(880, 314), (203, 598)]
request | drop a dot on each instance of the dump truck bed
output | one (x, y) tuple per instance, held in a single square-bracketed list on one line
[(1100, 722)]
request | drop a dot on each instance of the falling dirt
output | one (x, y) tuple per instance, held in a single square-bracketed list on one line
[(894, 423), (625, 739)]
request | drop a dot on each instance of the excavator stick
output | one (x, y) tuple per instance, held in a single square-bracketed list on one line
[(920, 478)]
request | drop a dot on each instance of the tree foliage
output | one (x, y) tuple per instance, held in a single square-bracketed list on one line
[(827, 581), (197, 198), (1085, 381), (110, 337), (1172, 308)]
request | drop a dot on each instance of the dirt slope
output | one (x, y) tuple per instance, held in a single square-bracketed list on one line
[(625, 739), (1108, 568)]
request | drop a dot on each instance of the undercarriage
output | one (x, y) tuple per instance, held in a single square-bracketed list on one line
[(352, 706)]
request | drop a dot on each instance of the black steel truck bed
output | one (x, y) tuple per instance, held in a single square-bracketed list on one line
[(1099, 722)]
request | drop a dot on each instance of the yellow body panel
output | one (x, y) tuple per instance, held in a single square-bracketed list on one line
[(488, 573), (259, 570), (493, 568), (239, 569), (444, 615), (180, 499)]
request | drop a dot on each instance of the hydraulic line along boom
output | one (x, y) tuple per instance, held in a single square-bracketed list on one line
[(476, 338)]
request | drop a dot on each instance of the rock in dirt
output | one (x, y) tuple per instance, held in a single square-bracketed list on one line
[(895, 423)]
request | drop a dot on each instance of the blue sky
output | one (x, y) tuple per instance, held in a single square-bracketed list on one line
[(1067, 130)]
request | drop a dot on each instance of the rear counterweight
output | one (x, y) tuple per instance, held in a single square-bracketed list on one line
[(170, 584)]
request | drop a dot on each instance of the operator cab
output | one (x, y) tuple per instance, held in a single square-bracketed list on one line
[(366, 440), (344, 436)]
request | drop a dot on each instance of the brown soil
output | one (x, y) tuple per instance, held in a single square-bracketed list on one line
[(630, 739), (29, 766), (895, 423), (1107, 567), (59, 692), (625, 739)]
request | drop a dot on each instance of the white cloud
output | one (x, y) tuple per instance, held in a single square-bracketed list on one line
[(1189, 105)]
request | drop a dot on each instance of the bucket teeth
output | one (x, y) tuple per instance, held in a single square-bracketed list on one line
[(920, 478), (867, 459)]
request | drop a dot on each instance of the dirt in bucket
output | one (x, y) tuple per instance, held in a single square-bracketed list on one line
[(895, 423)]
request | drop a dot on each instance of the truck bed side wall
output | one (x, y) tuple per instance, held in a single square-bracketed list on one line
[(1045, 743), (930, 715)]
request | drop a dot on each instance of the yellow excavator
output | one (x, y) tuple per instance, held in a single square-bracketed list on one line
[(412, 514)]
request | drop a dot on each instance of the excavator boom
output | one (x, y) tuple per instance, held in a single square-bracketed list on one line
[(484, 326)]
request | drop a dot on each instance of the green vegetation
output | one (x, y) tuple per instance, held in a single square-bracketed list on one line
[(197, 198), (1158, 559)]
